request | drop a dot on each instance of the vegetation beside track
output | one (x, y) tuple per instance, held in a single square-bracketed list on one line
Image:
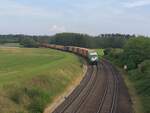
[(136, 55), (31, 78), (100, 53)]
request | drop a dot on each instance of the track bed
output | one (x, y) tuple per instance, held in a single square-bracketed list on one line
[(102, 90)]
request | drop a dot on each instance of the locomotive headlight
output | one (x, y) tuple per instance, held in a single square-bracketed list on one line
[(93, 58)]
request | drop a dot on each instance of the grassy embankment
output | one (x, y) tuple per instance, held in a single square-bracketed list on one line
[(31, 78)]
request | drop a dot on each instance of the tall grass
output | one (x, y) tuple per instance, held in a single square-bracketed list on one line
[(31, 78)]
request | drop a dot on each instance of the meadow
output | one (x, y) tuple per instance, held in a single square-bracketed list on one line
[(31, 78)]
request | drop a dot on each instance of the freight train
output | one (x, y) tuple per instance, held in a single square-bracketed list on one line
[(91, 55)]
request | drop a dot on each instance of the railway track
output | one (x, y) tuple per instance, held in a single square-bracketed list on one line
[(98, 92), (109, 99), (76, 93)]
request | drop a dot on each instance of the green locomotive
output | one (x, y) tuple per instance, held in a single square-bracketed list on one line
[(92, 57)]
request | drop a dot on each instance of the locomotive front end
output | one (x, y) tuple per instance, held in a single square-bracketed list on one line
[(93, 57)]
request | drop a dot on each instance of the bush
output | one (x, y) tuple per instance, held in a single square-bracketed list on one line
[(114, 55), (28, 42), (140, 77), (107, 51), (39, 99), (144, 67), (136, 51)]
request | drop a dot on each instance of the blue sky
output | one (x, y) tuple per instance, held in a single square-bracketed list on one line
[(47, 17)]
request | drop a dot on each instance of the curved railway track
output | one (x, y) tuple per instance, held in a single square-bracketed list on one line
[(109, 99), (98, 92)]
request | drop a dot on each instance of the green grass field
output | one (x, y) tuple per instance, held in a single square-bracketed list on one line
[(31, 78)]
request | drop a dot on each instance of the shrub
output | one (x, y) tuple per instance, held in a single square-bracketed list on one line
[(29, 42)]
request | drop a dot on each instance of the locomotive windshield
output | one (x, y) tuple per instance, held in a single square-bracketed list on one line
[(93, 54)]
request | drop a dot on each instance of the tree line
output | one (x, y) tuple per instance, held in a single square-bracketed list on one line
[(134, 52), (70, 39), (25, 40), (84, 40)]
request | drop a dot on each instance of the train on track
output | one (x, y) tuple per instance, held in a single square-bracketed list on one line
[(91, 55)]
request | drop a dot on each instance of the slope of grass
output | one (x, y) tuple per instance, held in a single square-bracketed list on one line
[(31, 78)]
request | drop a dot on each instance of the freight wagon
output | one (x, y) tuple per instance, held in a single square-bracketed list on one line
[(91, 55)]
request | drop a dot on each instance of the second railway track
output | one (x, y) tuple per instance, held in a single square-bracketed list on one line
[(108, 103)]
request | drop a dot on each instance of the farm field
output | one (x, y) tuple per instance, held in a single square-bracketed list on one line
[(31, 78)]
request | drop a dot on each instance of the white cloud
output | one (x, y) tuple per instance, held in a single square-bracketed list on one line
[(136, 3), (97, 16), (57, 29)]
